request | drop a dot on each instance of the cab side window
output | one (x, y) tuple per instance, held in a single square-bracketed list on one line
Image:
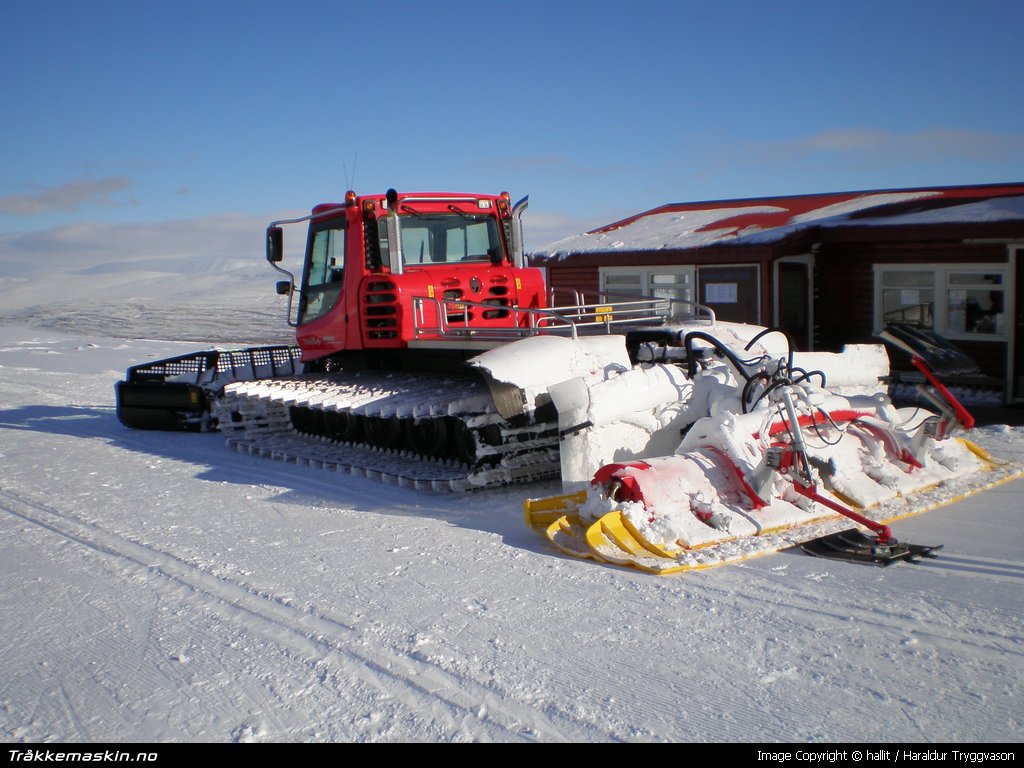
[(325, 273)]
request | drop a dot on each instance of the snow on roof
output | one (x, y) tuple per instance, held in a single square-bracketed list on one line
[(682, 229), (993, 209), (678, 226)]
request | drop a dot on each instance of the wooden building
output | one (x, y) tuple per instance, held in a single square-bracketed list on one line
[(829, 268)]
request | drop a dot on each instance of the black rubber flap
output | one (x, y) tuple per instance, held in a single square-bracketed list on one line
[(859, 547)]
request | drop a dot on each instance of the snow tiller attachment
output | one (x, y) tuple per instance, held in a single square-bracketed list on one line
[(772, 459)]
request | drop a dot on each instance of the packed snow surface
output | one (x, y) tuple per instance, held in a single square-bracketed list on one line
[(159, 587)]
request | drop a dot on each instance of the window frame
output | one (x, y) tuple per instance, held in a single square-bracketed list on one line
[(647, 272), (431, 230), (326, 292), (648, 287), (941, 287)]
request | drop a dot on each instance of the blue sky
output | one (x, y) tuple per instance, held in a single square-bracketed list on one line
[(117, 114)]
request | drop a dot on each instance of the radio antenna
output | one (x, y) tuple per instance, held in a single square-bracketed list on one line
[(349, 183)]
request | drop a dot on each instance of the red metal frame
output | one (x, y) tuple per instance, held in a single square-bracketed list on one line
[(816, 419), (809, 491), (962, 414)]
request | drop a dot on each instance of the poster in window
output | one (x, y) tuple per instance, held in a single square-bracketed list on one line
[(720, 293)]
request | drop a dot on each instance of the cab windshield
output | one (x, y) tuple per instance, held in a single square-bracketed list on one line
[(446, 238)]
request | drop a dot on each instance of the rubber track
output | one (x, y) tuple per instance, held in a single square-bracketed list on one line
[(255, 417)]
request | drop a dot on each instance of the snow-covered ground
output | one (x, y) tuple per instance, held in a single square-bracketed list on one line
[(159, 587)]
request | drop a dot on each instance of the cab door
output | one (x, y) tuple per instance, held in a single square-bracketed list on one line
[(324, 276)]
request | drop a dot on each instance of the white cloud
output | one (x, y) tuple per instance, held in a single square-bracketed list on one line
[(163, 266), (175, 246), (69, 196)]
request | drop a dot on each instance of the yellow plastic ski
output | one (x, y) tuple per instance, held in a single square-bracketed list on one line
[(570, 536), (540, 513), (613, 539)]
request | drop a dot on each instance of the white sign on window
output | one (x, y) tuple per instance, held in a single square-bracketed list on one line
[(910, 297), (720, 293)]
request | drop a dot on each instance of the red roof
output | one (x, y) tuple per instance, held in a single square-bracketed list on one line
[(763, 220), (798, 205)]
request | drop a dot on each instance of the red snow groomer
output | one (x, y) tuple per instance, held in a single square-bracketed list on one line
[(431, 355)]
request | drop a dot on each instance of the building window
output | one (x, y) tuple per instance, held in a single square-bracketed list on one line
[(732, 291), (974, 303), (908, 297), (631, 283), (959, 301), (675, 283)]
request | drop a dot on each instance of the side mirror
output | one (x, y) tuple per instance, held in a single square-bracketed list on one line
[(284, 287), (275, 245)]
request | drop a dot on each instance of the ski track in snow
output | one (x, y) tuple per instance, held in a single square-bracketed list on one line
[(327, 646), (160, 587)]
